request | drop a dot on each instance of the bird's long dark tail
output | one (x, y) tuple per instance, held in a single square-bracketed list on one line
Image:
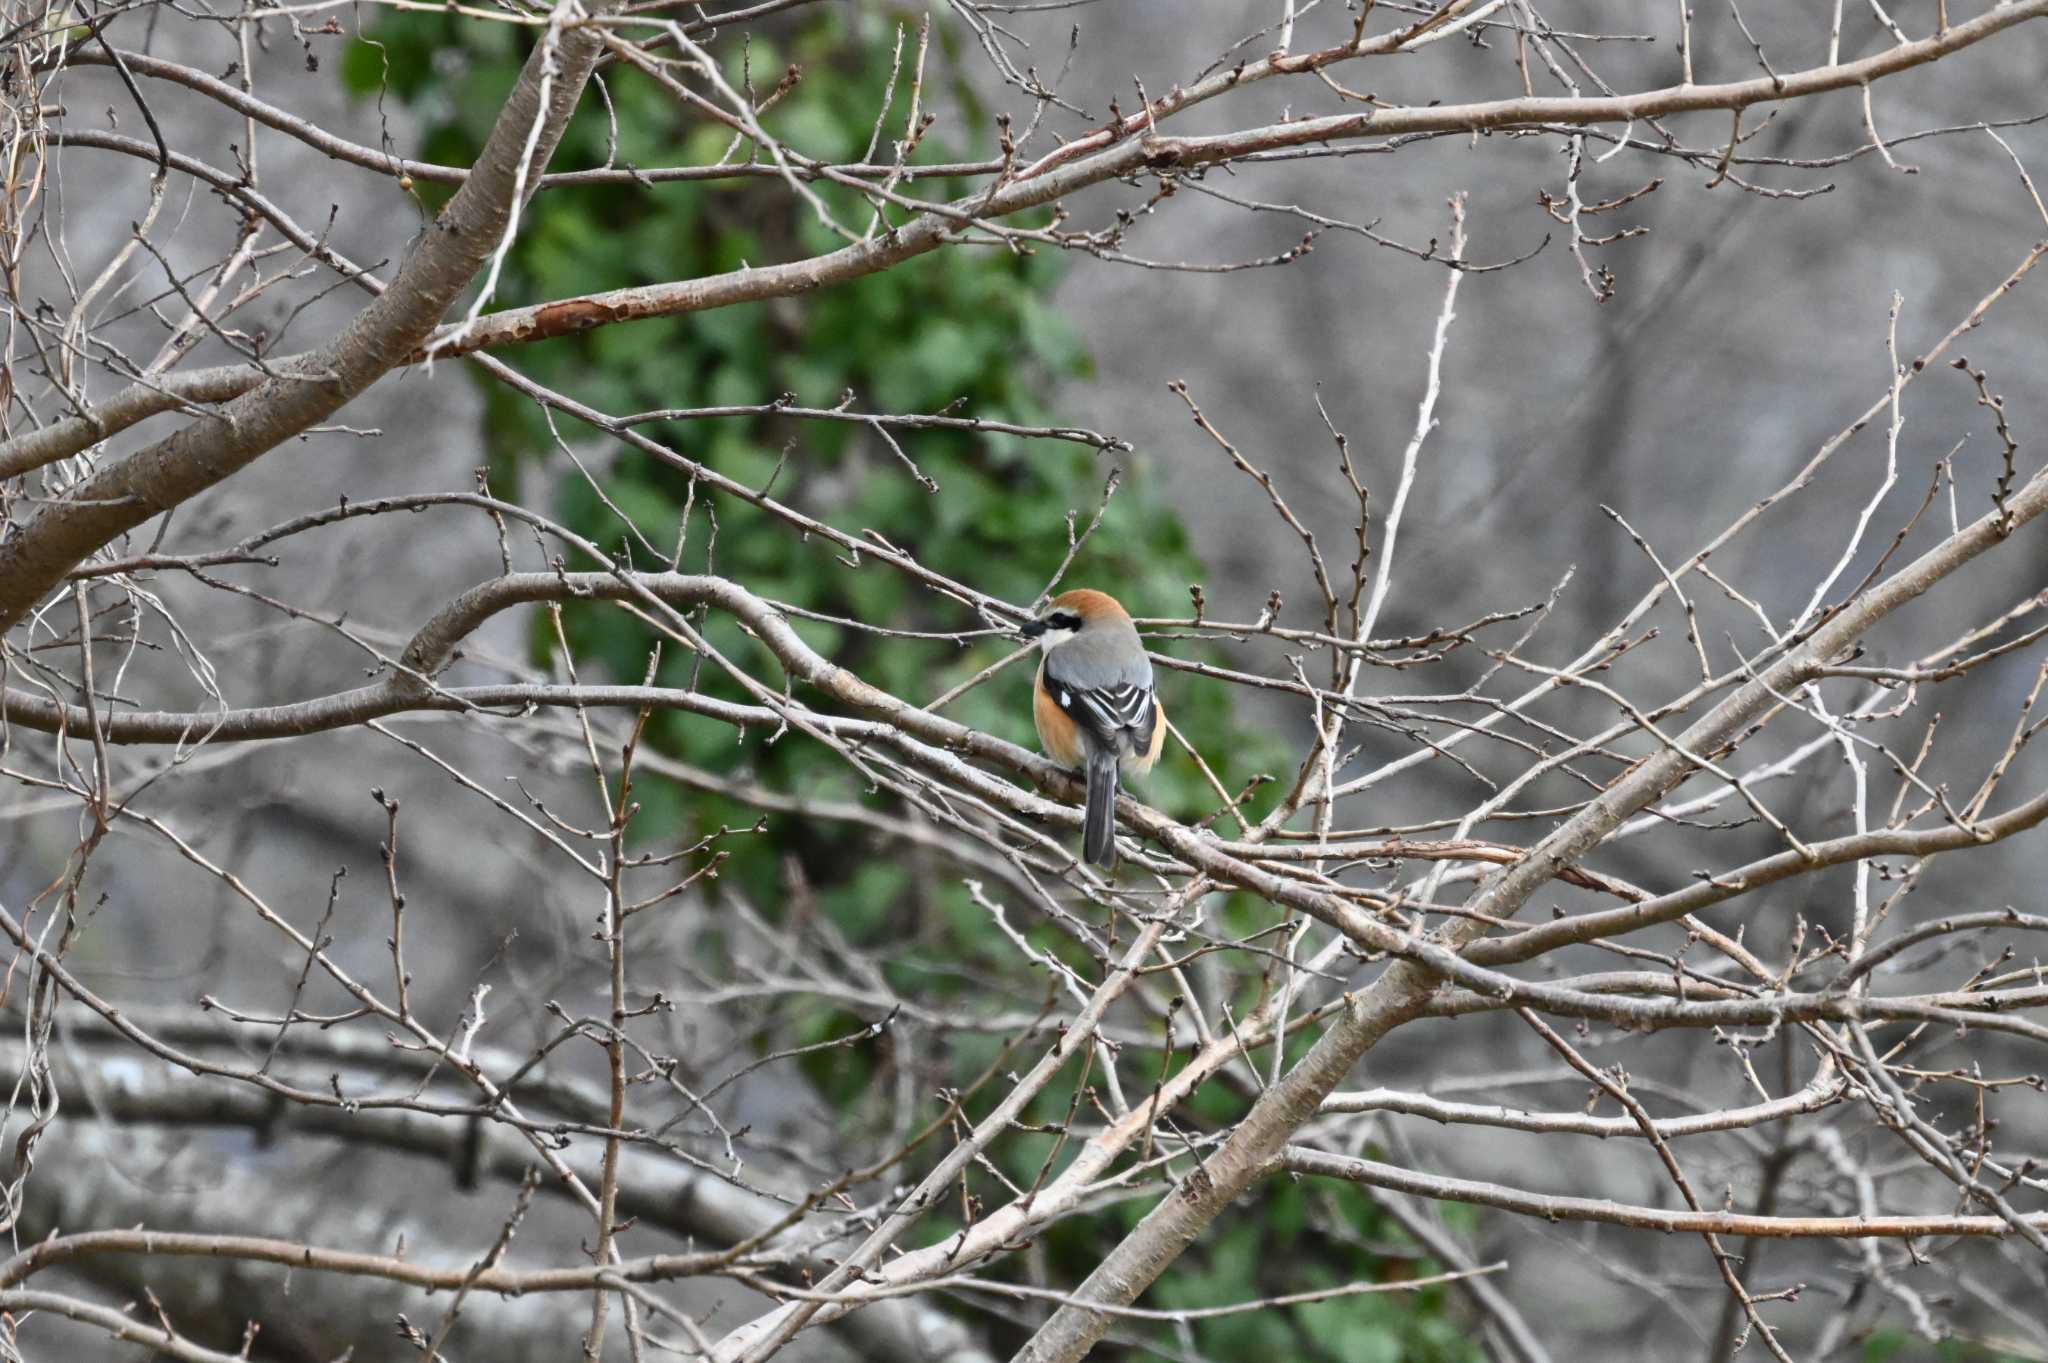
[(1098, 838)]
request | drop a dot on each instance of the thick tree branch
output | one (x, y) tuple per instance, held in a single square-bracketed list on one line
[(656, 1189), (1399, 994), (153, 480)]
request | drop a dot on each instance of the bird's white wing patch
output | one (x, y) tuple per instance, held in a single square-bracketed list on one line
[(1109, 709)]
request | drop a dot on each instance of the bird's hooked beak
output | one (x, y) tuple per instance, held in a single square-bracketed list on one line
[(1031, 629)]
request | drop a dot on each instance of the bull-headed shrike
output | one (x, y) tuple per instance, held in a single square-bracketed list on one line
[(1094, 704)]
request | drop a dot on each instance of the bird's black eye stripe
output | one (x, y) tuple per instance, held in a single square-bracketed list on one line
[(1063, 620)]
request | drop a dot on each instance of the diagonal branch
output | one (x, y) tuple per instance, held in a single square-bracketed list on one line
[(937, 227), (311, 388), (1401, 992)]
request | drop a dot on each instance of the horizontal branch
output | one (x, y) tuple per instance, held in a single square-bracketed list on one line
[(435, 642), (346, 709), (369, 158), (1495, 115), (1826, 1088), (1303, 1160), (61, 1249), (656, 1189)]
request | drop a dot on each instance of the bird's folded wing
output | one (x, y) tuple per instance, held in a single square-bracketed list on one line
[(1104, 710)]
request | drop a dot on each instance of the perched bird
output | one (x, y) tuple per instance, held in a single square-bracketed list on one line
[(1094, 705)]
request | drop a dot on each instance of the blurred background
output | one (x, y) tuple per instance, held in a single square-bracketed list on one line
[(1740, 329)]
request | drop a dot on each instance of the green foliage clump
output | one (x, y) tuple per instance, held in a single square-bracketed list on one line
[(971, 330), (1890, 1344)]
